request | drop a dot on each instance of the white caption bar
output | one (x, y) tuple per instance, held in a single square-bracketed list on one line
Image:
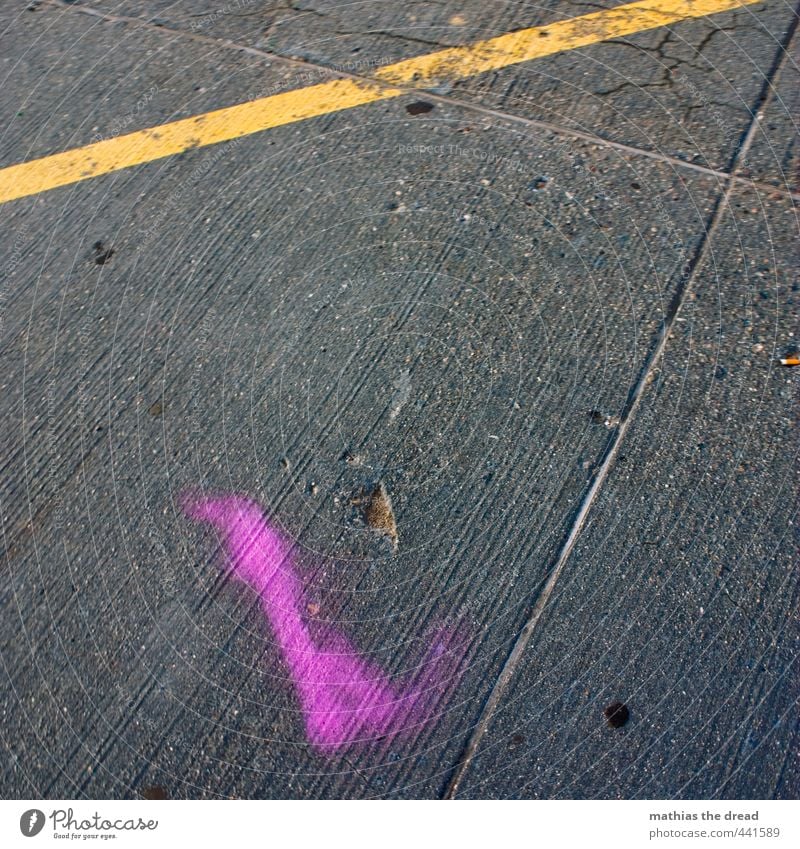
[(351, 825)]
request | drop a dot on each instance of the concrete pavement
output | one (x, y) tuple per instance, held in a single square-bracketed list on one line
[(558, 353)]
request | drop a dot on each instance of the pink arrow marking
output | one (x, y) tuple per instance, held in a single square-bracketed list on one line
[(344, 697)]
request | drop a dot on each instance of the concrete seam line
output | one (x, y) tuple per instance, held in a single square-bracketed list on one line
[(631, 406), (455, 63), (509, 117)]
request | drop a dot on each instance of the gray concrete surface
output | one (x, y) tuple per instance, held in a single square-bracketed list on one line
[(686, 91), (773, 158), (681, 599), (461, 302)]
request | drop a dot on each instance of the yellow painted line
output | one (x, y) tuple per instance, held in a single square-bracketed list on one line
[(112, 154), (527, 44), (455, 63)]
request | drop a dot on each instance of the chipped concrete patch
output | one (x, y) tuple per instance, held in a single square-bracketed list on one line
[(379, 514)]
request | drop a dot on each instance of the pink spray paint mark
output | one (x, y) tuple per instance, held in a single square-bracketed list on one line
[(345, 698)]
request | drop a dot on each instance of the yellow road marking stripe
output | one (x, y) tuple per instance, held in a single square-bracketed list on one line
[(113, 154), (533, 43), (103, 157)]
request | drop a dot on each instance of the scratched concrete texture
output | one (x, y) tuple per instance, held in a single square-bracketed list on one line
[(774, 157), (450, 302), (681, 599), (687, 90)]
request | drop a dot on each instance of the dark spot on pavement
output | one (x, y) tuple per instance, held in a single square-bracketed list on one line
[(720, 372), (102, 254), (539, 183), (154, 792), (607, 419), (616, 714), (156, 409), (351, 459), (636, 186), (517, 740), (419, 107)]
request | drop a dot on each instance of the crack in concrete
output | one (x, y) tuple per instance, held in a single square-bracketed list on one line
[(666, 81), (636, 394), (339, 29), (463, 105)]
